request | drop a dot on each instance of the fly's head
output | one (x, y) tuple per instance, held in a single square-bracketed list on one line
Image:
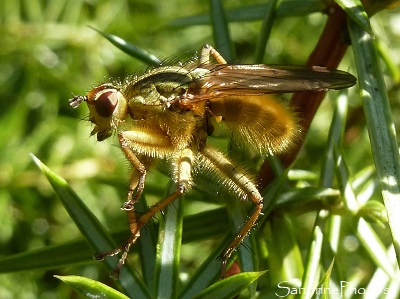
[(107, 107)]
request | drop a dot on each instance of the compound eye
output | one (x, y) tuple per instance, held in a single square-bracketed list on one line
[(106, 102)]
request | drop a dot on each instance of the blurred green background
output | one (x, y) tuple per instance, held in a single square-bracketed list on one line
[(48, 54)]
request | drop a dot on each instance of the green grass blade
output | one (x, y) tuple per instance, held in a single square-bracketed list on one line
[(91, 288), (92, 229), (388, 60), (229, 287), (324, 292), (342, 174), (335, 137), (374, 246), (247, 251), (383, 286), (307, 198), (220, 27), (207, 273), (147, 247), (380, 125), (131, 49), (355, 11), (266, 28), (313, 260), (168, 249), (49, 257), (87, 223)]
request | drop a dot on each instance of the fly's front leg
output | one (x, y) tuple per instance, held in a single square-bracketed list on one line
[(136, 183), (217, 164), (145, 143), (138, 177), (182, 169), (206, 52), (132, 142), (182, 164), (182, 174)]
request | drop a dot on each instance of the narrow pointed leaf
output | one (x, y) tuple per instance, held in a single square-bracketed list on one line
[(92, 229), (374, 246), (324, 285), (380, 125), (220, 27), (91, 288), (208, 272), (230, 287), (355, 11), (169, 247), (266, 29), (131, 49)]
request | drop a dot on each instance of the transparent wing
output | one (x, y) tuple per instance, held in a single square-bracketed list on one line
[(226, 79)]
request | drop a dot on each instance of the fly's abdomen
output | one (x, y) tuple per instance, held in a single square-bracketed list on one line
[(264, 123)]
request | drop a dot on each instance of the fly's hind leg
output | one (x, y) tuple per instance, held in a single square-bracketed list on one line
[(136, 187), (228, 174)]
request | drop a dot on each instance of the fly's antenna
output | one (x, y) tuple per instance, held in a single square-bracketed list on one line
[(76, 101)]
